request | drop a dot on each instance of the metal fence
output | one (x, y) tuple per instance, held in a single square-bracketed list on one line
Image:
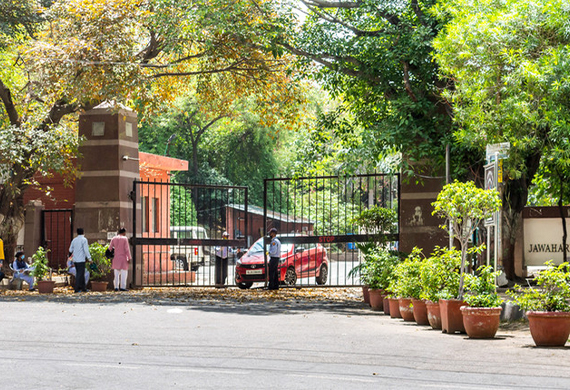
[(314, 217), (178, 229)]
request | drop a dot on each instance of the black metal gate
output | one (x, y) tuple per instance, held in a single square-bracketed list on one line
[(179, 228), (56, 235), (314, 218)]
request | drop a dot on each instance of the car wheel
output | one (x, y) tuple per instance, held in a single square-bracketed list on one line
[(290, 277), (323, 275), (244, 285), (181, 263)]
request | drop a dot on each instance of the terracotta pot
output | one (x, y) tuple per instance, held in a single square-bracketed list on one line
[(420, 311), (433, 314), (376, 299), (451, 317), (98, 286), (45, 286), (386, 305), (549, 328), (394, 308), (365, 294), (481, 322), (406, 310)]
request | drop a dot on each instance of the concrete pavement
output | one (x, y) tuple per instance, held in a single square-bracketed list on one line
[(233, 339)]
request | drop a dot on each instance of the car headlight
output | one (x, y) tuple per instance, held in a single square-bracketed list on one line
[(238, 262), (281, 261)]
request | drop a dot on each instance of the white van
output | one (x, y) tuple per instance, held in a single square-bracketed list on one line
[(188, 257)]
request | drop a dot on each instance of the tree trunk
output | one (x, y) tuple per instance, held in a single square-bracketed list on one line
[(562, 216), (515, 196)]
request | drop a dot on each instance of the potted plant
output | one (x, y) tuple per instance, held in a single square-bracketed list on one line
[(465, 207), (406, 285), (482, 315), (100, 267), (42, 272), (378, 222), (439, 277), (377, 274), (548, 308)]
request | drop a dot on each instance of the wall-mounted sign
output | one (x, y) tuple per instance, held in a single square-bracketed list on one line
[(543, 241)]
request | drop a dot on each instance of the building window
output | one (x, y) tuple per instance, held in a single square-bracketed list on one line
[(144, 213), (155, 215)]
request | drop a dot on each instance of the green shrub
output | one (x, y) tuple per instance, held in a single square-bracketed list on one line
[(101, 265), (552, 294), (406, 282), (378, 268), (481, 289), (40, 264), (439, 275)]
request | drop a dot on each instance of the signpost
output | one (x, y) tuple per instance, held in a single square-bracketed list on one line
[(495, 153)]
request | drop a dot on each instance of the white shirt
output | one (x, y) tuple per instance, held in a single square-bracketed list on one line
[(275, 247), (79, 249)]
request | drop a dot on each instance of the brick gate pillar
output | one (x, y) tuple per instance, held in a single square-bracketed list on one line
[(108, 166), (417, 226)]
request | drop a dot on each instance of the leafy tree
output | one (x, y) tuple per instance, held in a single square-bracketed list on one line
[(465, 207), (377, 57), (71, 55), (182, 209), (509, 62)]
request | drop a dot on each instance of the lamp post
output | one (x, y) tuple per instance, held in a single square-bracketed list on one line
[(168, 143)]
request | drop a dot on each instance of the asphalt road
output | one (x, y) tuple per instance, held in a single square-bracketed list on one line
[(225, 339)]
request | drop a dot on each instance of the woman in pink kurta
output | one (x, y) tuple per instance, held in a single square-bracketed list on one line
[(120, 244)]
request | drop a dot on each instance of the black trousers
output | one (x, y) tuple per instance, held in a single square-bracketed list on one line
[(221, 270), (80, 277), (273, 273)]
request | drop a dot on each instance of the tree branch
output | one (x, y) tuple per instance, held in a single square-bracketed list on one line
[(332, 4), (58, 111), (419, 13), (6, 97), (356, 31), (407, 83), (231, 67)]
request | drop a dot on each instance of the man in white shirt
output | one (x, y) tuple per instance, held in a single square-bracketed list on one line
[(274, 257), (221, 271), (79, 249)]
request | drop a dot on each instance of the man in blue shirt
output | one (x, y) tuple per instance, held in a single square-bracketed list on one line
[(274, 257), (79, 249)]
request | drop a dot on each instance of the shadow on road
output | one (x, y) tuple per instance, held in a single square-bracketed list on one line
[(342, 301)]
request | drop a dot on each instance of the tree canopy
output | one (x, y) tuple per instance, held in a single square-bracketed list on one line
[(65, 56), (509, 61)]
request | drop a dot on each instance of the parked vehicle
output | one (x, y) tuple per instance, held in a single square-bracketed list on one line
[(297, 261), (188, 257)]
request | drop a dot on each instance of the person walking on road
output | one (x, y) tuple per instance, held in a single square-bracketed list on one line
[(120, 245), (79, 249), (274, 257)]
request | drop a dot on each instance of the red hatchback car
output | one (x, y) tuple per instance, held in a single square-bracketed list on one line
[(297, 261)]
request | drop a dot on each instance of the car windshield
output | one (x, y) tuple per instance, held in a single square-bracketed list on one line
[(258, 247)]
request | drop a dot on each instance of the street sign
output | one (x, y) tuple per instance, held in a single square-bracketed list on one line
[(493, 150), (490, 177), (491, 184)]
